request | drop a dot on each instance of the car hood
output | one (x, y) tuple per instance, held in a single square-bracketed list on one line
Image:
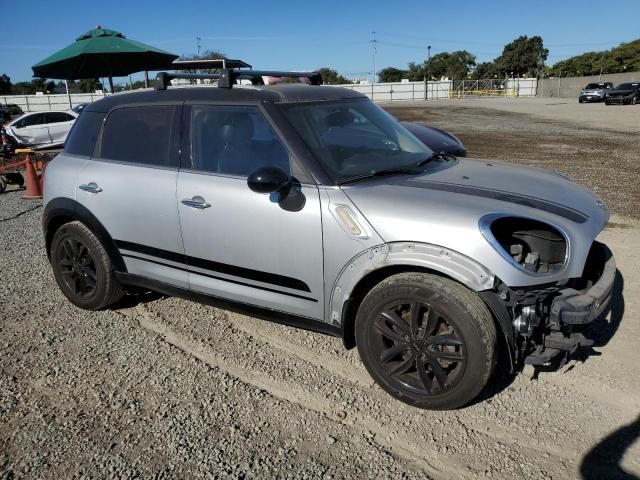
[(437, 140), (446, 206), (620, 93)]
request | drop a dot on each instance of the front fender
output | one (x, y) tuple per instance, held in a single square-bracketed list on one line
[(406, 254)]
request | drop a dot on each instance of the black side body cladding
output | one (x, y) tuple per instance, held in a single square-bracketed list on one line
[(58, 210), (238, 307)]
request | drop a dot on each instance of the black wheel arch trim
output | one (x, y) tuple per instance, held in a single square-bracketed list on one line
[(501, 314), (67, 208)]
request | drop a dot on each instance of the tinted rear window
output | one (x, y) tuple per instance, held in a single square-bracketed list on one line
[(56, 117), (139, 135), (84, 133)]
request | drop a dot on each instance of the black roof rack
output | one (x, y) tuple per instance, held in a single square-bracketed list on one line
[(228, 77), (207, 64)]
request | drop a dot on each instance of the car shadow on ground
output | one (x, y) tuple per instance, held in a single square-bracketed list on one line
[(603, 460), (135, 297)]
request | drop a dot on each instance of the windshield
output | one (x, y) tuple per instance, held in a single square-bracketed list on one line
[(355, 138), (627, 86), (595, 86)]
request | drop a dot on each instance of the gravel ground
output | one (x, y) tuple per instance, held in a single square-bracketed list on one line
[(164, 388)]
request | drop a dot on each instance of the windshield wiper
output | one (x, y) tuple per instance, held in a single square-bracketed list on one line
[(435, 155), (409, 170)]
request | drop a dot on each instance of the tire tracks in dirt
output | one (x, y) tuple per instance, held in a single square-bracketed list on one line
[(404, 448)]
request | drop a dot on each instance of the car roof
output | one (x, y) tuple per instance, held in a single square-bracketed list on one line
[(285, 93)]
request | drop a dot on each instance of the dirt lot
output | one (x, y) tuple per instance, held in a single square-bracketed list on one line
[(163, 388)]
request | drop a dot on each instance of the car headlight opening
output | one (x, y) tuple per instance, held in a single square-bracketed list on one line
[(533, 246)]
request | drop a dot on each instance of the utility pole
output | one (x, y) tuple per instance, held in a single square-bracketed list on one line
[(198, 46), (426, 85), (373, 42)]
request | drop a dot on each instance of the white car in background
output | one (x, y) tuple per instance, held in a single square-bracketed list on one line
[(42, 129)]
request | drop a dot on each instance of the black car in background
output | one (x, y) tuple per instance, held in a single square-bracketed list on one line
[(5, 115), (13, 109), (439, 141), (595, 92), (624, 94)]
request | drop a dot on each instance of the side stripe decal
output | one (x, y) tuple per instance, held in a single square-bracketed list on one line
[(185, 261)]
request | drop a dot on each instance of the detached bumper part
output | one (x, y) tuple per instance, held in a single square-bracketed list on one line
[(579, 308), (574, 308)]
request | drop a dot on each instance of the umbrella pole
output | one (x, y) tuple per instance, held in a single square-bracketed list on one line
[(66, 84), (146, 79), (111, 84)]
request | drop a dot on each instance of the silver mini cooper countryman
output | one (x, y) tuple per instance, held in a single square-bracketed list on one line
[(311, 206)]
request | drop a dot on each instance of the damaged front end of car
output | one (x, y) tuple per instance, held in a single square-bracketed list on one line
[(548, 320)]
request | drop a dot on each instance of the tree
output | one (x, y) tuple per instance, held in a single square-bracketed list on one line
[(455, 65), (623, 58), (391, 74), (332, 77), (486, 70), (88, 85), (5, 84), (523, 56)]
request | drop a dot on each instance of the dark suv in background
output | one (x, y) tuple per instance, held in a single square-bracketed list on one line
[(624, 94), (595, 92)]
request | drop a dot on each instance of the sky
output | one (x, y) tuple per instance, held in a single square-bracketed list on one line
[(301, 34)]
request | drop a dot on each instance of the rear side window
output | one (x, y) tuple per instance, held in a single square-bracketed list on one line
[(84, 133), (56, 117), (139, 135), (31, 120)]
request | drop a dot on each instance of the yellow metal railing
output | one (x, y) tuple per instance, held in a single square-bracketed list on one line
[(509, 92)]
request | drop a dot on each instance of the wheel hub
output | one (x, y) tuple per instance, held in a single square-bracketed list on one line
[(419, 347)]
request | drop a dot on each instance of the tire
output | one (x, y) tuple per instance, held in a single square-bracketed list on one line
[(3, 183), (15, 179), (82, 268), (452, 329)]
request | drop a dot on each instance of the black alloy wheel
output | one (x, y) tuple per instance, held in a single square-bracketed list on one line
[(418, 347), (82, 267), (427, 340)]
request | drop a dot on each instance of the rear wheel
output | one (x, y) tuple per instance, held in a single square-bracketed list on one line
[(427, 340), (82, 268)]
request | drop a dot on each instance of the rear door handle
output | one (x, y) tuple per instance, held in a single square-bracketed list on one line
[(90, 187), (196, 202)]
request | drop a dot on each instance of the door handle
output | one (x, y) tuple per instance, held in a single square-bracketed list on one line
[(196, 202), (90, 187)]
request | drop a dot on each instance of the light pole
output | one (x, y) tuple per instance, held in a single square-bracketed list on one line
[(198, 46)]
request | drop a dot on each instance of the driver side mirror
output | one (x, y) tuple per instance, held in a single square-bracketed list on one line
[(269, 179)]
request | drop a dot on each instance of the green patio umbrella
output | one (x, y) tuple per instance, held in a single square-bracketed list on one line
[(102, 53)]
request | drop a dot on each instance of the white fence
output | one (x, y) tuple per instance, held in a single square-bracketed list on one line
[(398, 91), (378, 92), (44, 103)]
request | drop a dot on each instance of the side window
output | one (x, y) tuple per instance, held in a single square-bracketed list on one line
[(139, 135), (234, 141), (84, 133), (32, 120), (57, 117)]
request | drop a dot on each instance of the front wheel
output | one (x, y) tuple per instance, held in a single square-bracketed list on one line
[(82, 268), (426, 340)]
